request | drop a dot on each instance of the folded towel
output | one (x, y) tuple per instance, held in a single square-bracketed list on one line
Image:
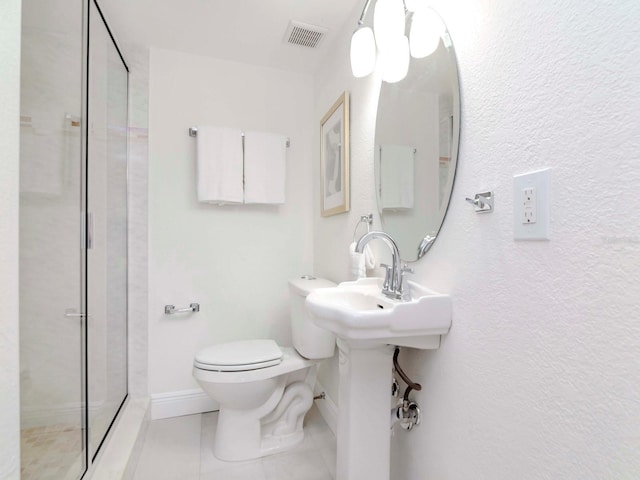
[(220, 168), (265, 168), (357, 267), (396, 176), (359, 263)]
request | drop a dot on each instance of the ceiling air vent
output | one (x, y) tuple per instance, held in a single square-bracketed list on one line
[(303, 34)]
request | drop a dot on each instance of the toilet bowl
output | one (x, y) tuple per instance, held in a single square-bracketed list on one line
[(264, 390)]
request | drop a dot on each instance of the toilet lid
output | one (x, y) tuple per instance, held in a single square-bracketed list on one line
[(238, 356)]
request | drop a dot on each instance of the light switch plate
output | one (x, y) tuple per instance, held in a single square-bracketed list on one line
[(531, 205)]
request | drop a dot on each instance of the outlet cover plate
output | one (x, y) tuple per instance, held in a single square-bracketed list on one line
[(540, 182)]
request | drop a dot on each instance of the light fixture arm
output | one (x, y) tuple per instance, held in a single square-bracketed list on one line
[(364, 12), (366, 9), (387, 36)]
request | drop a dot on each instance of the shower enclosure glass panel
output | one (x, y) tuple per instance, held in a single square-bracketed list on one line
[(51, 241), (107, 248), (73, 236)]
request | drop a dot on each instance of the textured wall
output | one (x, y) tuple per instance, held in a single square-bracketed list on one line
[(540, 374), (233, 260), (9, 200)]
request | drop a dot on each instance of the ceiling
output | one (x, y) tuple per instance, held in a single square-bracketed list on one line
[(247, 31)]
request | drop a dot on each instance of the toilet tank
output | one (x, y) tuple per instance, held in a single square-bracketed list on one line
[(309, 340)]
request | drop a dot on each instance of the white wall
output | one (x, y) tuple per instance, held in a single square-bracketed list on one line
[(540, 374), (234, 260), (9, 201), (137, 58), (138, 61)]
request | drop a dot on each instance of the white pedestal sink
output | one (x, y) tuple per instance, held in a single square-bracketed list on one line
[(368, 325)]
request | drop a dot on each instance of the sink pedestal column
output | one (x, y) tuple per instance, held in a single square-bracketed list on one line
[(364, 437)]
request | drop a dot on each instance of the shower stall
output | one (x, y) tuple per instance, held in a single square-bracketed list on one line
[(73, 236)]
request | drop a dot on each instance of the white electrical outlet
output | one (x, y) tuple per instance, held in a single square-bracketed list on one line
[(531, 205)]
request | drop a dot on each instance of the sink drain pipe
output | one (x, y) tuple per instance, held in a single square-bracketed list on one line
[(407, 414), (410, 385)]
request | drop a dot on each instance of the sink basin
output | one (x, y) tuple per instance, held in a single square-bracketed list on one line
[(359, 313)]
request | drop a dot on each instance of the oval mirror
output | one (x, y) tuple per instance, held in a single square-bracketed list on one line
[(416, 144)]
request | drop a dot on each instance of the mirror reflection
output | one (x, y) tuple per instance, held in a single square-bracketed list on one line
[(416, 147)]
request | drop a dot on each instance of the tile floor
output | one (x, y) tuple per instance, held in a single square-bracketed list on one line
[(181, 448), (52, 452)]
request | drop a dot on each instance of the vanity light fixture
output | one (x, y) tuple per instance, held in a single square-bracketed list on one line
[(363, 51), (424, 36), (393, 47), (394, 60), (363, 47), (388, 23)]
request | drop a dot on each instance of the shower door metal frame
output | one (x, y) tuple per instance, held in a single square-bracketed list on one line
[(88, 5)]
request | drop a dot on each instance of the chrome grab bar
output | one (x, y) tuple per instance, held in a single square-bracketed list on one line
[(171, 309)]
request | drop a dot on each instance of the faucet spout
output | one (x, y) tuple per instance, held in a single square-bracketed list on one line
[(393, 288)]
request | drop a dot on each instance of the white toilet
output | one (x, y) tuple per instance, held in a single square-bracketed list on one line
[(265, 390)]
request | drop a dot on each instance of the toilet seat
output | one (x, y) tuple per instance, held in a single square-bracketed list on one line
[(291, 361), (244, 355)]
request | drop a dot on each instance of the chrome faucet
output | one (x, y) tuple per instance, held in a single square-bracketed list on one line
[(393, 286)]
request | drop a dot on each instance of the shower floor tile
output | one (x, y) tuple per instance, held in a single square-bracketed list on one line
[(50, 452), (181, 448)]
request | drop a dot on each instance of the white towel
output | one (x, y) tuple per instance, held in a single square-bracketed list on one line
[(219, 165), (396, 176), (356, 263), (359, 263), (369, 259), (265, 168)]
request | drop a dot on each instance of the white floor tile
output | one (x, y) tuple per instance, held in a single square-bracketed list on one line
[(296, 466), (171, 450), (252, 471), (182, 448), (329, 457)]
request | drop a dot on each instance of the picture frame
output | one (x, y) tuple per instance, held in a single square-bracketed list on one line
[(334, 158)]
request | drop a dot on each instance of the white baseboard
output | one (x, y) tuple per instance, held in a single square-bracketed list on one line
[(183, 402), (327, 408)]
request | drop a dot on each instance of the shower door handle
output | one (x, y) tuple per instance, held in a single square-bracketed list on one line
[(86, 230), (71, 313), (89, 230)]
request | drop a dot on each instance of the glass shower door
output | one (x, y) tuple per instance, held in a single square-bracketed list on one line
[(52, 397), (107, 248)]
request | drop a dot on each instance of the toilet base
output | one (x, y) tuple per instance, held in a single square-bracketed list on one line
[(242, 436)]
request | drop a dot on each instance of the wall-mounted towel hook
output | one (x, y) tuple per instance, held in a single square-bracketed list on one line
[(483, 202)]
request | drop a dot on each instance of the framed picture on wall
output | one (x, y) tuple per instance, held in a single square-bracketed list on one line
[(334, 158)]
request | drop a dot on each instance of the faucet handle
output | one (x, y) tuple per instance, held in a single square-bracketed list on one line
[(406, 269), (403, 271), (387, 276)]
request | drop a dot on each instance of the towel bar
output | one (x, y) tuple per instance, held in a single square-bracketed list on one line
[(193, 132), (171, 309)]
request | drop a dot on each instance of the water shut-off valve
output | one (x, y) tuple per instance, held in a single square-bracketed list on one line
[(408, 414)]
